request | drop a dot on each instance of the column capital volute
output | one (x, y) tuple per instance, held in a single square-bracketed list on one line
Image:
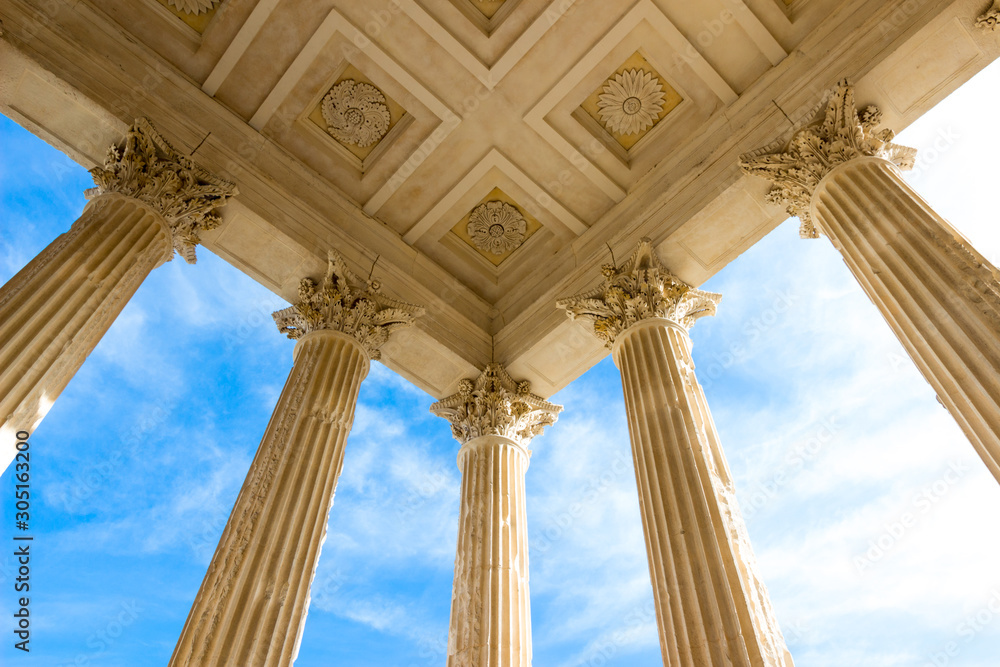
[(495, 405), (640, 289), (835, 133), (146, 167), (342, 302)]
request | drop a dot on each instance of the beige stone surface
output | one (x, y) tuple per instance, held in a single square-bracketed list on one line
[(491, 102)]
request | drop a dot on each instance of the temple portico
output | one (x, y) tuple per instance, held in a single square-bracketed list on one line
[(338, 151)]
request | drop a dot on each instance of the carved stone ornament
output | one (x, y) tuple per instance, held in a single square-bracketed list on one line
[(631, 102), (991, 19), (497, 227), (346, 304), (146, 167), (840, 134), (639, 289), (496, 405), (194, 6), (356, 113)]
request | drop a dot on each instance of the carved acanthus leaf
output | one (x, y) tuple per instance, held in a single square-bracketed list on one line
[(194, 6), (346, 304), (840, 134), (991, 19), (146, 167), (496, 405), (641, 288)]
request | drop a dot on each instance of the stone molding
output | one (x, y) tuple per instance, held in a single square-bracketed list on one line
[(494, 404), (342, 302), (144, 166), (991, 19), (640, 289), (838, 134)]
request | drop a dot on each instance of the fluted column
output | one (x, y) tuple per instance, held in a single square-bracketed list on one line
[(148, 201), (495, 419), (712, 608), (938, 294), (252, 604)]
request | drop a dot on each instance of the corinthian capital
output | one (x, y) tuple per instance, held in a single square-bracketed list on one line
[(837, 135), (496, 405), (991, 19), (639, 289), (146, 167), (346, 304)]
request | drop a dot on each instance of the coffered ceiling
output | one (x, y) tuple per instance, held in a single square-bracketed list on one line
[(486, 155)]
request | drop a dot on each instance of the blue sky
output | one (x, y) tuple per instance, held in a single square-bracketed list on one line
[(831, 434)]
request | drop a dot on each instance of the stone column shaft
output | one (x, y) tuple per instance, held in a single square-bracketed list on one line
[(56, 309), (251, 607), (490, 613), (250, 610), (712, 608), (495, 419), (940, 297)]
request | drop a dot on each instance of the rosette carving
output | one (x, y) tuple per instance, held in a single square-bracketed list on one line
[(639, 289), (356, 113), (146, 167), (840, 134), (494, 404), (194, 6), (342, 302), (497, 227), (631, 102)]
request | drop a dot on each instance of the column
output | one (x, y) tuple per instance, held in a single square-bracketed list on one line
[(495, 419), (712, 609), (148, 201), (939, 295), (252, 604)]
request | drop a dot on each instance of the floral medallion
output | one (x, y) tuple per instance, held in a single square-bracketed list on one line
[(497, 227), (631, 102), (194, 6), (356, 113)]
